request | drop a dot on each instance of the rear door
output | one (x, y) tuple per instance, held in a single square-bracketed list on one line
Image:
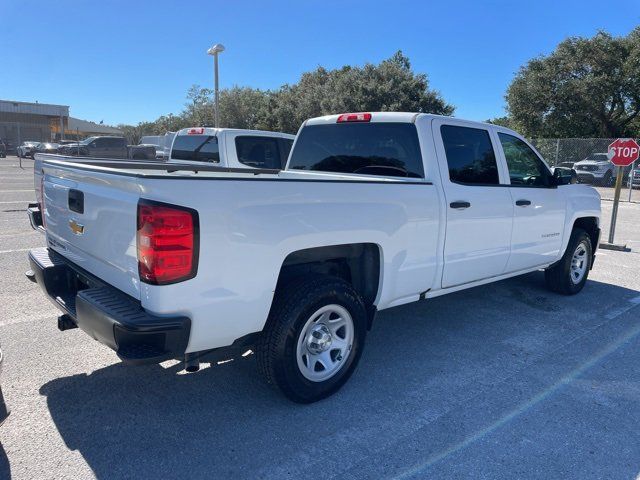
[(479, 209), (540, 207)]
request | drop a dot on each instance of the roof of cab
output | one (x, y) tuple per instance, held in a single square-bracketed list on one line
[(215, 131), (388, 117)]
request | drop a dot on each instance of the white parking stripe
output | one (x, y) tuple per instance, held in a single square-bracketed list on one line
[(17, 201), (16, 191), (634, 302), (17, 250)]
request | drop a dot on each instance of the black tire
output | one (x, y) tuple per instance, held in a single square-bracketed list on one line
[(559, 276), (607, 179), (293, 307)]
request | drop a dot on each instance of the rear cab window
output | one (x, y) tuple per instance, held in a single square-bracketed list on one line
[(198, 148), (380, 148)]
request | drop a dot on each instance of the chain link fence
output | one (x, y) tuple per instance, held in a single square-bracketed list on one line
[(588, 157)]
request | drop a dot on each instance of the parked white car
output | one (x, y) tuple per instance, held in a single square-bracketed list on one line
[(596, 169), (373, 210), (26, 149)]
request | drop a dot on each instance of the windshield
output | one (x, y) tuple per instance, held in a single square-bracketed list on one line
[(87, 141), (598, 157), (200, 148)]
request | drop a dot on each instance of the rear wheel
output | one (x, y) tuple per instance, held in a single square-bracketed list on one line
[(569, 275), (313, 339), (607, 180)]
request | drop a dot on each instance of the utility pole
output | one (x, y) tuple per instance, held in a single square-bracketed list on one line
[(214, 51)]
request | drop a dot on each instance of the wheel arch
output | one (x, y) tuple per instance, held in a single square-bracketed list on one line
[(591, 226), (357, 263)]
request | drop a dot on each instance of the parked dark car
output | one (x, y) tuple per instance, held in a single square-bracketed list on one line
[(3, 149), (47, 148), (108, 147)]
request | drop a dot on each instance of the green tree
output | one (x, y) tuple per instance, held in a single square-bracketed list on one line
[(502, 121), (586, 87), (389, 86)]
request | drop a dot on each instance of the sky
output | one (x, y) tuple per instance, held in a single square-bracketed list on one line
[(129, 61)]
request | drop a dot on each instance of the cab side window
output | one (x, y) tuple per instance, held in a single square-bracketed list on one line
[(525, 167), (258, 152), (470, 155)]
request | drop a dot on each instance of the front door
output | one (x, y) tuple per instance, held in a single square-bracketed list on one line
[(540, 207), (479, 208)]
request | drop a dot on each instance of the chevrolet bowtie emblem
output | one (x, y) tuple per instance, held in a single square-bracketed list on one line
[(76, 228)]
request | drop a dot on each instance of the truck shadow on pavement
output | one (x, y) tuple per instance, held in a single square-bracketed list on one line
[(499, 380)]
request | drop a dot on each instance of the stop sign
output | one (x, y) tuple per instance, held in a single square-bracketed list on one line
[(623, 152)]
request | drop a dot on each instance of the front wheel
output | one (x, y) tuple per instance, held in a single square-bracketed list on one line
[(607, 180), (569, 275), (314, 338)]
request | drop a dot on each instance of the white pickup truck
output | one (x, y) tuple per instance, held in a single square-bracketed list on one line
[(224, 147), (373, 210)]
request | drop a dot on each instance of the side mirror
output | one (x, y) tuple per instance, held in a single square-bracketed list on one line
[(564, 176), (92, 145)]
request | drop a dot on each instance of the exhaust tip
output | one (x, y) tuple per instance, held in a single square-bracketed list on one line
[(191, 363), (31, 276)]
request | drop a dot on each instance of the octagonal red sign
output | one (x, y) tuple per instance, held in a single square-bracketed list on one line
[(623, 152)]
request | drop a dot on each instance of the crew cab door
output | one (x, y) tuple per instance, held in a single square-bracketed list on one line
[(540, 206), (479, 208)]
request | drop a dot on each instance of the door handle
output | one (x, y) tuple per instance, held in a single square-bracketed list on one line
[(523, 203), (460, 205)]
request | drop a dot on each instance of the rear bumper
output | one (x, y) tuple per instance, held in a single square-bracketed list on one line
[(35, 217), (108, 315)]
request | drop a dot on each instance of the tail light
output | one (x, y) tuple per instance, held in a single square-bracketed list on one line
[(354, 117), (167, 243)]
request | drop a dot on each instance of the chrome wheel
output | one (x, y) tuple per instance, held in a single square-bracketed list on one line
[(325, 343), (579, 263)]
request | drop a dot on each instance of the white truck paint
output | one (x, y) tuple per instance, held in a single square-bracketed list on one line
[(425, 239)]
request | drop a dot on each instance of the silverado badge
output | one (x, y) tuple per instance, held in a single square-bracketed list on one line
[(76, 228)]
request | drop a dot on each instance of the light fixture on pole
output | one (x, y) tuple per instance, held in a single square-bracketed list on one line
[(215, 50)]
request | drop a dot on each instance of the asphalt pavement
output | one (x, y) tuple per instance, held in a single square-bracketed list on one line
[(505, 381)]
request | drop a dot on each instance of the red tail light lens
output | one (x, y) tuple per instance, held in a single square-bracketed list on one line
[(167, 242), (354, 117)]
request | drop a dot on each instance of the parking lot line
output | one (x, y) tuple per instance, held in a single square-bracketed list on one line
[(16, 191), (634, 302), (16, 250)]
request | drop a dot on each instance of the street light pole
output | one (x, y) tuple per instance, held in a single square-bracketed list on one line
[(215, 50)]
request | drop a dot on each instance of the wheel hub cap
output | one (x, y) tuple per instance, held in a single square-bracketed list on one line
[(319, 339), (325, 342), (579, 263)]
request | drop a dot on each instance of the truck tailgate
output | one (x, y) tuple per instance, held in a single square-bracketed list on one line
[(91, 219)]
